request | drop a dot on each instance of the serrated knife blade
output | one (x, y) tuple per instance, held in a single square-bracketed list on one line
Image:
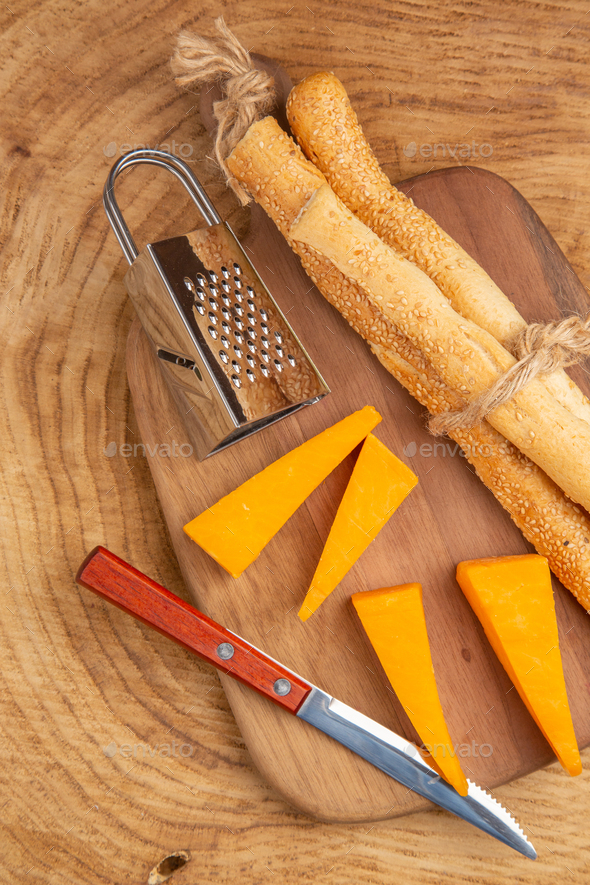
[(401, 760), (121, 584)]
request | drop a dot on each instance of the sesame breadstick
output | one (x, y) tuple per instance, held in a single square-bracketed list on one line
[(327, 128), (282, 180), (467, 358)]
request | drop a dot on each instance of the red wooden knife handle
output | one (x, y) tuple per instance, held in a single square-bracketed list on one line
[(118, 582)]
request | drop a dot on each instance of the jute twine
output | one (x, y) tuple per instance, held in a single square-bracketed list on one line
[(541, 348), (249, 92), (249, 95)]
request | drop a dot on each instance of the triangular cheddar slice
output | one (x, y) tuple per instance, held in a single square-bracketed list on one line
[(238, 527), (513, 599), (378, 485), (393, 618)]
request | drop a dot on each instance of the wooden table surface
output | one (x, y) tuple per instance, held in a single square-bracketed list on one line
[(81, 80)]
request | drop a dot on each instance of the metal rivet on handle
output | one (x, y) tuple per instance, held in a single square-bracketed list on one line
[(282, 687), (225, 651)]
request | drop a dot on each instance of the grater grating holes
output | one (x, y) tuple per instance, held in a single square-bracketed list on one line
[(232, 307)]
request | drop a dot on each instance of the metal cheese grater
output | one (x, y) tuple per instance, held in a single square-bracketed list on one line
[(231, 360)]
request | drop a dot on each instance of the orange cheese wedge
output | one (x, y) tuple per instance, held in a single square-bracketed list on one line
[(378, 485), (238, 527), (393, 618), (513, 599)]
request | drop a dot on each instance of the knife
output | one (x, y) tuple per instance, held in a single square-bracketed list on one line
[(133, 592)]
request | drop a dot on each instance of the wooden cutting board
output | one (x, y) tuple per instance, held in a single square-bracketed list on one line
[(449, 517)]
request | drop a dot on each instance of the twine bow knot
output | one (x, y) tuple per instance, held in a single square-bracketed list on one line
[(249, 92), (540, 348)]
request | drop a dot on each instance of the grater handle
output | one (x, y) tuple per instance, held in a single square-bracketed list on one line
[(155, 158), (133, 592)]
